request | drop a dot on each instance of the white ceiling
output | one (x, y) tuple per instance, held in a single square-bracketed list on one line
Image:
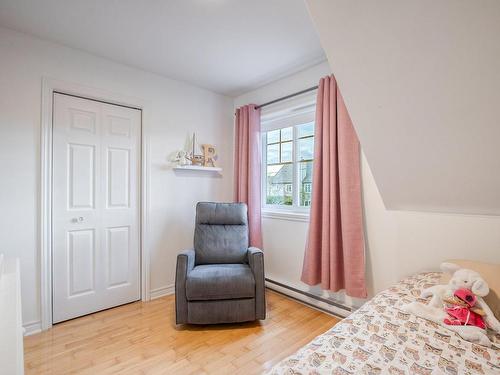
[(421, 80), (227, 46)]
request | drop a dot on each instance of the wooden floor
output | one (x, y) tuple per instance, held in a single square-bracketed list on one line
[(142, 338)]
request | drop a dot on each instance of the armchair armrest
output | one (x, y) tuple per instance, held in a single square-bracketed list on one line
[(256, 264), (254, 255), (185, 263)]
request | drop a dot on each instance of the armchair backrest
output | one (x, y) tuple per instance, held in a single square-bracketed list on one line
[(221, 233)]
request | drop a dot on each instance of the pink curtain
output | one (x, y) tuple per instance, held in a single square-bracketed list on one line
[(335, 254), (247, 168)]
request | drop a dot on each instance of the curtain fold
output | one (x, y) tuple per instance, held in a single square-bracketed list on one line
[(335, 252), (247, 168)]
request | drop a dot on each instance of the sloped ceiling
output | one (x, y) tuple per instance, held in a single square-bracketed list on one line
[(421, 80)]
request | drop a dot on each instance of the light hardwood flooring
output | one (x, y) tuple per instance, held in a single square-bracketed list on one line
[(142, 338)]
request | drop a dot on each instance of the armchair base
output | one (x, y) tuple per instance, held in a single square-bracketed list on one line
[(222, 311)]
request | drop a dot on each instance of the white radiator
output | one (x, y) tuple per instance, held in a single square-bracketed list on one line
[(11, 329)]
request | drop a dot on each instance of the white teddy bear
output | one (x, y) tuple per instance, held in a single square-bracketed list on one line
[(461, 278)]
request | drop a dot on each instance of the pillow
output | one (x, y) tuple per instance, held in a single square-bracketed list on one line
[(490, 272)]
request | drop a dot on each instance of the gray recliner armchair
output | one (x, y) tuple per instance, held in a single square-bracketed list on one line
[(222, 279)]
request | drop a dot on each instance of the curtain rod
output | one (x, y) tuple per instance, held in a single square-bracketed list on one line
[(286, 97)]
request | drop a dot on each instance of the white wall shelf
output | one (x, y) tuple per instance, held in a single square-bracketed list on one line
[(198, 168)]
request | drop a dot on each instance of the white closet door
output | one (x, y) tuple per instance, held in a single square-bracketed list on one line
[(96, 225)]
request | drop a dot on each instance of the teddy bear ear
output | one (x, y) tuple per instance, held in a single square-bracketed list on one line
[(480, 288), (450, 268)]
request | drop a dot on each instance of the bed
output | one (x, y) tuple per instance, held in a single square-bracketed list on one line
[(380, 338)]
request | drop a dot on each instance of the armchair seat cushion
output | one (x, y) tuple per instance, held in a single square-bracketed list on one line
[(220, 282)]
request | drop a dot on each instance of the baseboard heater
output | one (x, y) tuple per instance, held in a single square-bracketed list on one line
[(309, 295)]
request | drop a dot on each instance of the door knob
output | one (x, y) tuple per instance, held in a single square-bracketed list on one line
[(77, 219)]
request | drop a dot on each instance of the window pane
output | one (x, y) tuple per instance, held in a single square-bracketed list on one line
[(306, 148), (286, 152), (286, 134), (273, 136), (273, 154), (279, 189), (305, 183), (305, 130)]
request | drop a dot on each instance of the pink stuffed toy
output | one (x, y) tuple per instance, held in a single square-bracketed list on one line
[(461, 310)]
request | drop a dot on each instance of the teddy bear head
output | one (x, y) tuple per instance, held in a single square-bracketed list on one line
[(466, 279)]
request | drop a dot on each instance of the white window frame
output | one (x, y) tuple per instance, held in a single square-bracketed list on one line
[(298, 111)]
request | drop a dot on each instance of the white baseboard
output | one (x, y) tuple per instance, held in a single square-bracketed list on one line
[(162, 291), (31, 328), (34, 327), (310, 301)]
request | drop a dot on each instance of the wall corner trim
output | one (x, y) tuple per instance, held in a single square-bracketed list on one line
[(32, 328), (162, 291)]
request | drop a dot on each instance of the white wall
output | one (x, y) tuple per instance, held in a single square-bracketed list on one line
[(176, 109), (398, 243)]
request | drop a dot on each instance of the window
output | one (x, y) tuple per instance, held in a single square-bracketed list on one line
[(288, 155)]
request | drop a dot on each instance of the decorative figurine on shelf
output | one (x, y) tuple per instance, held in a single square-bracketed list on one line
[(182, 158), (209, 155), (195, 159)]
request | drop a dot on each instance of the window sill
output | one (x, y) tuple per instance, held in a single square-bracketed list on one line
[(285, 215)]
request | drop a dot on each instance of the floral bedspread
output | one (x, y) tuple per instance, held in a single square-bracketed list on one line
[(380, 338)]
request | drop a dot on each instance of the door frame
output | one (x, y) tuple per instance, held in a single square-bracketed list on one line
[(49, 86)]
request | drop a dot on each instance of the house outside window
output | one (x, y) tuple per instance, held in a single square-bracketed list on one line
[(289, 161), (288, 150)]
